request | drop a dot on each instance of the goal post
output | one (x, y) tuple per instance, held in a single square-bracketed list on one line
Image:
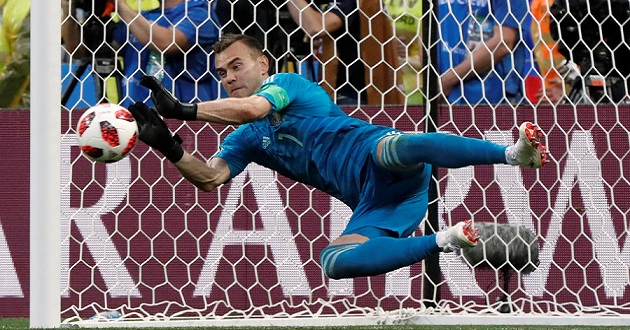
[(45, 164), (131, 243)]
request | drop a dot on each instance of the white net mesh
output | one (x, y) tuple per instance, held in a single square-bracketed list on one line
[(140, 240)]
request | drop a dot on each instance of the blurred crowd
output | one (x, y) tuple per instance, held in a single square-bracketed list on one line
[(15, 53), (363, 52)]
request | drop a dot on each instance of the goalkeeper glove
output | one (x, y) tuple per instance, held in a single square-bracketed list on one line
[(165, 103), (153, 131)]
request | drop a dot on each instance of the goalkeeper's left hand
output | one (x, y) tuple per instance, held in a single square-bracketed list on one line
[(153, 131), (165, 103)]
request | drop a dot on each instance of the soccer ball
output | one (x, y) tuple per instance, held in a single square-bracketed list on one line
[(107, 132)]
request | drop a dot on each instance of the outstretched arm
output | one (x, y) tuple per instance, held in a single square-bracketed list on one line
[(223, 111), (234, 110), (204, 176), (154, 132)]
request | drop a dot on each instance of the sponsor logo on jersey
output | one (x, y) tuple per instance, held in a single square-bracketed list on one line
[(266, 141)]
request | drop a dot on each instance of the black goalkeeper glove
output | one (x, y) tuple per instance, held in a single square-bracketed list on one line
[(165, 103), (154, 132)]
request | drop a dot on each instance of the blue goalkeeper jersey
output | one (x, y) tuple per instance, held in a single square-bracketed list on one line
[(306, 137)]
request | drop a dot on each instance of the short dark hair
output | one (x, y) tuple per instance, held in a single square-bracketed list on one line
[(231, 38)]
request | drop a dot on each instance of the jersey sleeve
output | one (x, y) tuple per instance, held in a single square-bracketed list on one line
[(237, 149), (280, 90)]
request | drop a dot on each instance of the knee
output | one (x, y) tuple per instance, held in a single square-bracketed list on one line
[(392, 153), (327, 259), (331, 259)]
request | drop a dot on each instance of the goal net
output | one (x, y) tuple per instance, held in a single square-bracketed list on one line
[(141, 244)]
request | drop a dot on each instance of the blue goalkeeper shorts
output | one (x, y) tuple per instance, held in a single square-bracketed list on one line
[(391, 204)]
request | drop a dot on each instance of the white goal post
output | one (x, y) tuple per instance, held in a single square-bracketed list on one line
[(135, 240), (45, 166)]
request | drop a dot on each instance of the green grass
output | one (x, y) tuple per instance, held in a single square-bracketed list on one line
[(23, 324)]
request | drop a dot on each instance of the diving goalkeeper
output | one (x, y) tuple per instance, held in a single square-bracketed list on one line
[(290, 125)]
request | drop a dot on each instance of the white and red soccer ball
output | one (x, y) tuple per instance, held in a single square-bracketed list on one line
[(107, 132)]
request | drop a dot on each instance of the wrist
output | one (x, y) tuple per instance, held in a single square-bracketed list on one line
[(188, 111), (173, 153)]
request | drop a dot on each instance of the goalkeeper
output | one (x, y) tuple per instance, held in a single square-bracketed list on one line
[(290, 125)]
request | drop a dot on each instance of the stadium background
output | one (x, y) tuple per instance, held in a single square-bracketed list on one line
[(164, 250), (139, 239)]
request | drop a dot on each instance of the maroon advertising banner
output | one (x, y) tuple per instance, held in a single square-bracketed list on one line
[(139, 238)]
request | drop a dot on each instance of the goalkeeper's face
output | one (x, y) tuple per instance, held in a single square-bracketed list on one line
[(242, 70)]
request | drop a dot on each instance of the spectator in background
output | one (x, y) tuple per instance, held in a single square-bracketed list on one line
[(483, 56), (335, 26), (15, 54), (176, 49), (261, 20), (406, 17), (547, 54)]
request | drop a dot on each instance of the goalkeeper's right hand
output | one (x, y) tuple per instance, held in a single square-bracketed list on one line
[(167, 105), (153, 131)]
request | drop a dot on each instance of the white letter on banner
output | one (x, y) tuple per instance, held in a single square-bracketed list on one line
[(455, 270), (88, 220), (515, 196), (515, 199), (510, 179), (276, 234), (9, 281), (583, 165)]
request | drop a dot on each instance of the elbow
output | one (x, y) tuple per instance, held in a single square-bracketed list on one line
[(168, 45), (503, 49), (508, 46), (254, 114), (313, 30), (174, 48), (164, 48), (502, 52), (312, 26), (245, 115), (217, 174), (207, 187), (507, 41), (253, 109)]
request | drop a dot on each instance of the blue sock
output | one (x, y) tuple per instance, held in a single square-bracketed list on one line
[(377, 256), (442, 150)]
